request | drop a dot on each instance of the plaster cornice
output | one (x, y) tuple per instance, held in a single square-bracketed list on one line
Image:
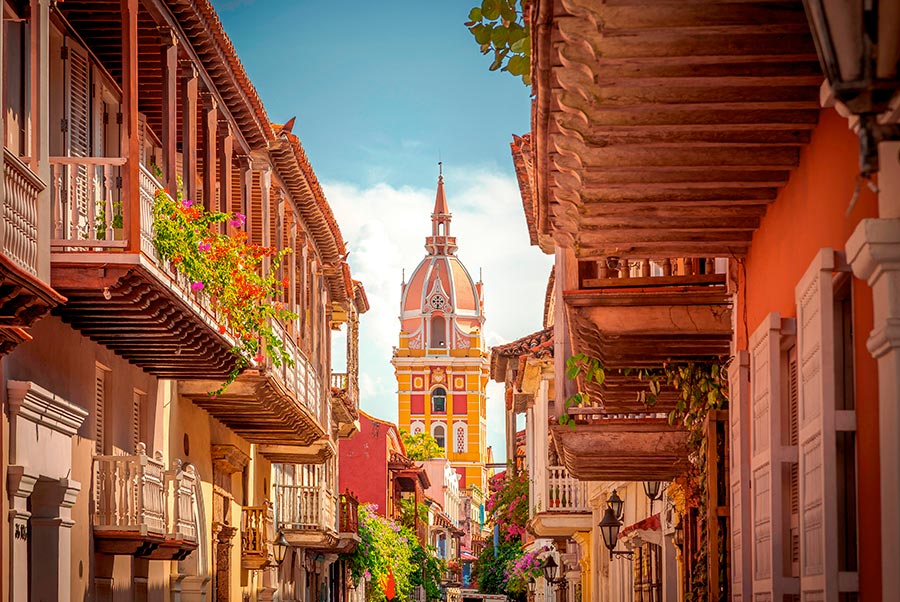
[(38, 405)]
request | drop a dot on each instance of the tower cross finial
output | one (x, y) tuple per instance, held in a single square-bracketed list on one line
[(440, 168)]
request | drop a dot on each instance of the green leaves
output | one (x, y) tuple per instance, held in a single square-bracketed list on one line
[(421, 446), (500, 26)]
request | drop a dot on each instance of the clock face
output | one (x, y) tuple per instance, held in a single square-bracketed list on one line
[(438, 302)]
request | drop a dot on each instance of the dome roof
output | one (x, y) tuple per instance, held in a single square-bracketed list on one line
[(441, 285)]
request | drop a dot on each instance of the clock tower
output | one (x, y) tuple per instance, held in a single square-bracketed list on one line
[(441, 362)]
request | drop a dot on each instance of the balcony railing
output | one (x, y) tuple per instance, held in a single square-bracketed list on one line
[(86, 201), (18, 235), (348, 513), (302, 377), (256, 533), (565, 493), (134, 493), (305, 507), (183, 487), (613, 272), (131, 493), (338, 380)]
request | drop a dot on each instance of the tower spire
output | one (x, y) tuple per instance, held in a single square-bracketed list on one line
[(440, 242)]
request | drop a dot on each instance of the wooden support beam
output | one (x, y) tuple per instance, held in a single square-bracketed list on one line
[(169, 130), (226, 152), (210, 152), (189, 133), (130, 141), (246, 191), (266, 192)]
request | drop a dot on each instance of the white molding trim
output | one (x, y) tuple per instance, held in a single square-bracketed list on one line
[(38, 405)]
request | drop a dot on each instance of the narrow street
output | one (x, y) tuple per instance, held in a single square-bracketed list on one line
[(458, 301)]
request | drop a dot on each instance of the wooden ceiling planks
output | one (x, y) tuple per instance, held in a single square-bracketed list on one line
[(257, 408), (142, 320), (643, 104), (623, 449)]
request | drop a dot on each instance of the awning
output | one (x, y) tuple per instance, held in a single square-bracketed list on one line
[(646, 530)]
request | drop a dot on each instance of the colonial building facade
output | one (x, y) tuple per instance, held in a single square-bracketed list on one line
[(122, 477), (441, 363), (699, 183)]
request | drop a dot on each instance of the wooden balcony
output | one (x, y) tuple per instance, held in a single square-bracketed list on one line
[(308, 515), (345, 400), (120, 293), (622, 447), (257, 533), (348, 522), (660, 127), (278, 406), (24, 297), (639, 313), (142, 509), (563, 507)]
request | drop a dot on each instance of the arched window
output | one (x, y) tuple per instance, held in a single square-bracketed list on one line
[(439, 401), (440, 435), (438, 332), (459, 437), (417, 428)]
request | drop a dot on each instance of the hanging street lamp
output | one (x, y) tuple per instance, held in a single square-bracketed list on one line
[(858, 42), (616, 504), (280, 547), (609, 530)]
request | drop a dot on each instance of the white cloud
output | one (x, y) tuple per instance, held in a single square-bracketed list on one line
[(385, 229)]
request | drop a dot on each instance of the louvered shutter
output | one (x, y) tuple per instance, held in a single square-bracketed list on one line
[(138, 407), (793, 417), (767, 454), (100, 373), (738, 385), (817, 445), (77, 133)]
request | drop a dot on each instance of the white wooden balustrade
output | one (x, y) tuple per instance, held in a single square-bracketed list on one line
[(18, 225), (302, 377), (183, 490), (131, 493), (136, 494), (306, 507), (565, 493), (87, 202)]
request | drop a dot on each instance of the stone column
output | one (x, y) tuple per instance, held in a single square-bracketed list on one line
[(873, 252), (51, 538), (223, 536), (19, 487)]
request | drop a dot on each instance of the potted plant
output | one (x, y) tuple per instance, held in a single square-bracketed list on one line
[(117, 221)]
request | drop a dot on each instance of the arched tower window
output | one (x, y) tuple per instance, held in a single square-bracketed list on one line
[(439, 401), (438, 332), (439, 432)]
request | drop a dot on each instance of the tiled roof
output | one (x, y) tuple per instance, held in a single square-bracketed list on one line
[(523, 163)]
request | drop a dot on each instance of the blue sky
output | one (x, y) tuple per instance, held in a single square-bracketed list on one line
[(381, 91)]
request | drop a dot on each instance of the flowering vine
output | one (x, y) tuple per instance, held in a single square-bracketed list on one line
[(387, 546), (527, 567), (227, 268), (508, 502)]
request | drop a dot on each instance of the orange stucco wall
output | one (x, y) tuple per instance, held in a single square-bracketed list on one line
[(809, 214)]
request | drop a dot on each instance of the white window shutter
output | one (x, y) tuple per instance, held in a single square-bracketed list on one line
[(817, 454), (78, 100), (100, 373), (766, 456), (738, 414)]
